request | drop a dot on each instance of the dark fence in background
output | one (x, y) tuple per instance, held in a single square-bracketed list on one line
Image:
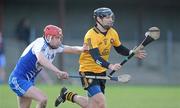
[(132, 19)]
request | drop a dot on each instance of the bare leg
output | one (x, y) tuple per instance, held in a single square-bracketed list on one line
[(81, 101), (97, 101), (24, 102), (37, 95)]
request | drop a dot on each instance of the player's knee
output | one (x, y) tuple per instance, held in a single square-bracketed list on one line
[(101, 105), (43, 101), (100, 101)]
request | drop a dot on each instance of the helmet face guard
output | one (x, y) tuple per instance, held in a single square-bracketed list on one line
[(103, 12)]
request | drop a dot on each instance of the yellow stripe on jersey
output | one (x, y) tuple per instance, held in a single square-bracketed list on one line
[(95, 39)]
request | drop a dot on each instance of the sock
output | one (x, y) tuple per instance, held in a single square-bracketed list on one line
[(70, 96)]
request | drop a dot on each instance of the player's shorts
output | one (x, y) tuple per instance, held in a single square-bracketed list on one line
[(93, 86), (19, 86), (2, 60)]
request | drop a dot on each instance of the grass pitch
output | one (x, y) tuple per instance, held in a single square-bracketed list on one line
[(119, 96)]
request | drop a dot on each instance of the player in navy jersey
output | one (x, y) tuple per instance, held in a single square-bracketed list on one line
[(40, 53)]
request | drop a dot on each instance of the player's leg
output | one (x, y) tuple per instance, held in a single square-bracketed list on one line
[(24, 88), (81, 101), (24, 102), (96, 97), (72, 97), (37, 95), (95, 88)]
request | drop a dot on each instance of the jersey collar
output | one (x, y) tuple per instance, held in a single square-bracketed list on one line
[(98, 31)]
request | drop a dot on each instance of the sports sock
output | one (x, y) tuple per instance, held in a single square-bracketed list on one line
[(70, 96)]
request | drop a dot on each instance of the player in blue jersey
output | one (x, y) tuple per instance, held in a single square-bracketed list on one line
[(40, 53)]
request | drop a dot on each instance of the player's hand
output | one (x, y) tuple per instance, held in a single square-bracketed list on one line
[(85, 47), (141, 54), (115, 67), (62, 75)]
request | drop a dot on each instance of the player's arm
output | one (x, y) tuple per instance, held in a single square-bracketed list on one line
[(45, 62), (75, 49), (72, 49), (97, 58), (121, 49), (100, 61), (126, 52)]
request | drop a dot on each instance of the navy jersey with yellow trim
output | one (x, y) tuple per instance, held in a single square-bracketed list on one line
[(95, 39)]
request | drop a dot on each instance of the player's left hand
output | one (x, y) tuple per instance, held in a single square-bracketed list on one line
[(140, 54)]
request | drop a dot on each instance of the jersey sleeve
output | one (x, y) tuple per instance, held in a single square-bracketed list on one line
[(91, 41), (38, 46), (116, 39), (60, 49)]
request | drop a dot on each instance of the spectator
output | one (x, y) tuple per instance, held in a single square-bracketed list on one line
[(23, 30)]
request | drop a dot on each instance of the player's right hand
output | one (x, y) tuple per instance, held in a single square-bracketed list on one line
[(85, 47), (62, 75), (141, 54), (115, 67)]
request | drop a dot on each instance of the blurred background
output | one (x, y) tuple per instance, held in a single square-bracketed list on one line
[(21, 21), (155, 80)]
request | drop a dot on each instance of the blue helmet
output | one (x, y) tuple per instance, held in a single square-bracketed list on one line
[(102, 12)]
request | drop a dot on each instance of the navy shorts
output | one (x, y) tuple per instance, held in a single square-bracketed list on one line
[(93, 86)]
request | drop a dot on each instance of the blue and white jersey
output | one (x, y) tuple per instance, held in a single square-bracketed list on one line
[(28, 67)]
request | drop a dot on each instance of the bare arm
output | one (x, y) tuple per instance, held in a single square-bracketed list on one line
[(75, 49), (45, 62)]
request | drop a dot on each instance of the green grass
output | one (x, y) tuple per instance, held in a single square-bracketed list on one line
[(117, 96)]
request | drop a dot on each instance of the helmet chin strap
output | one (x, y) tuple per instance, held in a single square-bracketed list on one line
[(102, 25), (48, 41)]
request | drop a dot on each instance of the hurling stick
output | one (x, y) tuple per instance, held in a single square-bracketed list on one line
[(151, 35)]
